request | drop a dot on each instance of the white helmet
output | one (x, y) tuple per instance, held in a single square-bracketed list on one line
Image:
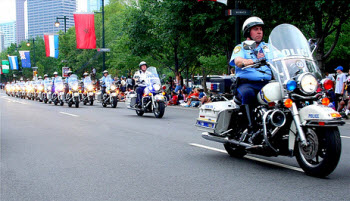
[(142, 63), (55, 73), (249, 23)]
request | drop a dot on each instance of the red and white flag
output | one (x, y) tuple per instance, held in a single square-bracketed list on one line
[(85, 30), (219, 1), (51, 45)]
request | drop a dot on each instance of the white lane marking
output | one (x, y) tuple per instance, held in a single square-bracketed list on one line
[(345, 136), (251, 158), (73, 115)]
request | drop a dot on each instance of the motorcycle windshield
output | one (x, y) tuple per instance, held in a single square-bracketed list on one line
[(152, 76), (58, 83), (87, 81), (108, 81), (47, 83), (73, 82), (292, 55)]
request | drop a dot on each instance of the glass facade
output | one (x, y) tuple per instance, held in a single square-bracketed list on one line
[(42, 16), (20, 25), (9, 31), (95, 5)]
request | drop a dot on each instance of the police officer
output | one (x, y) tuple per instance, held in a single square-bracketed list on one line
[(251, 80), (66, 89), (103, 81), (140, 78)]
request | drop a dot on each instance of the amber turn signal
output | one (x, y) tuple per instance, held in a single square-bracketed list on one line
[(288, 103)]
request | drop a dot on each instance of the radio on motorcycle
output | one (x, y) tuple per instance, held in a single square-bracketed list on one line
[(297, 123)]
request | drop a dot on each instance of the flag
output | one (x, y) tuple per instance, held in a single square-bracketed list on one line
[(85, 30), (51, 45), (5, 66), (25, 59), (13, 62), (219, 1)]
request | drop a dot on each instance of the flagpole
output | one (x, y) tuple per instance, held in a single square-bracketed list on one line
[(103, 35)]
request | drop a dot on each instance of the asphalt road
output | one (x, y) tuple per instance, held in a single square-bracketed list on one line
[(93, 153)]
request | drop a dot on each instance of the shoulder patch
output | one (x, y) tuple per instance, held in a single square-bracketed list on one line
[(237, 49)]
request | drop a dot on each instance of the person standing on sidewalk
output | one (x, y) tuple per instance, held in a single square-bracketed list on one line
[(339, 86)]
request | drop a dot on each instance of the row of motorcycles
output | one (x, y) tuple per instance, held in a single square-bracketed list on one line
[(53, 91), (74, 92)]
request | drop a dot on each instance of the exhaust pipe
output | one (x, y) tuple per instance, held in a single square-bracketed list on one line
[(225, 140)]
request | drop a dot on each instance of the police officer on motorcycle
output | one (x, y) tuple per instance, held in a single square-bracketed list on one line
[(251, 80), (66, 89), (103, 80), (140, 77)]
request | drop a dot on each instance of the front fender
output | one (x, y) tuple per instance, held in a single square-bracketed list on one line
[(319, 115)]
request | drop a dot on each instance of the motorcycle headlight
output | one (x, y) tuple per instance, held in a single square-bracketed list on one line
[(90, 88), (156, 87), (40, 88), (49, 88), (75, 88), (60, 88), (308, 83), (113, 87)]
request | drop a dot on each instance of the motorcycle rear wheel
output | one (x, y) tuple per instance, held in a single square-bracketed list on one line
[(234, 151), (61, 103), (91, 102), (55, 102), (322, 155)]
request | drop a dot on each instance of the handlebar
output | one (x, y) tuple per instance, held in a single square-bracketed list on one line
[(257, 64)]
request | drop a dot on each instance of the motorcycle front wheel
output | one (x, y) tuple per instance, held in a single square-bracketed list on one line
[(114, 102), (159, 109), (139, 113), (234, 151), (322, 155)]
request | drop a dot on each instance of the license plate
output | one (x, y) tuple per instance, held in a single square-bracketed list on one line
[(114, 94), (76, 94), (205, 124)]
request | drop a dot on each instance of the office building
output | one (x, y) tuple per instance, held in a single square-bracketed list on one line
[(41, 16), (20, 21), (9, 31), (95, 5), (2, 42)]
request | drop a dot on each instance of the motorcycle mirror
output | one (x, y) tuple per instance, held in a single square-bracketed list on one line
[(249, 45), (312, 44)]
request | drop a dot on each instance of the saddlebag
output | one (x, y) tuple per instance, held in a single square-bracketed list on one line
[(215, 117)]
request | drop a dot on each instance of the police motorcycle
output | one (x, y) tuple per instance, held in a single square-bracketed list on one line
[(39, 90), (47, 94), (30, 90), (58, 95), (152, 100), (22, 91), (89, 91), (110, 97), (292, 116), (72, 97)]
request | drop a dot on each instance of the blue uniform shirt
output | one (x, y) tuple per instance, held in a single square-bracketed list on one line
[(252, 73)]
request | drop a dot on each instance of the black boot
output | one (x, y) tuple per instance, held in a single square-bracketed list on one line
[(253, 130)]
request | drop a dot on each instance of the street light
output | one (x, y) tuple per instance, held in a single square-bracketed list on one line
[(57, 23)]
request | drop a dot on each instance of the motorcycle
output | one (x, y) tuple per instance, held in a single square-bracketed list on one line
[(152, 99), (30, 90), (110, 97), (89, 91), (72, 97), (292, 117), (39, 89), (47, 94), (57, 96)]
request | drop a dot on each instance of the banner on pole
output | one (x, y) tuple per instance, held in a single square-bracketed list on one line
[(25, 59), (5, 67), (65, 71), (13, 62), (51, 45), (85, 30)]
